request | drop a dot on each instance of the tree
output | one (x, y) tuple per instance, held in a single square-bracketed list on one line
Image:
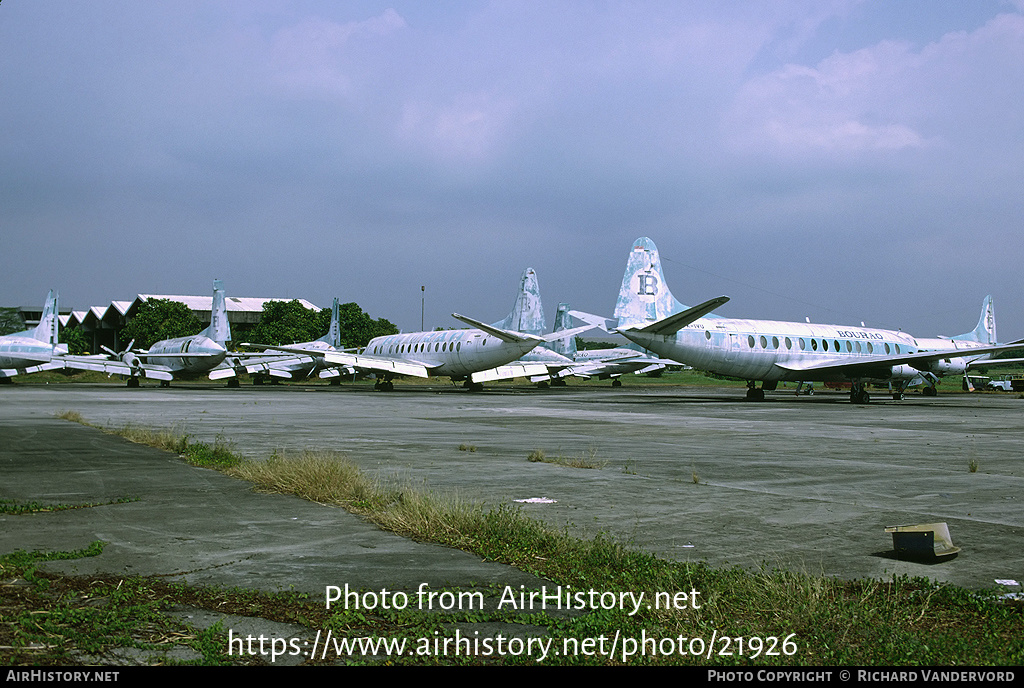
[(159, 319), (78, 343), (288, 322), (358, 328), (10, 321)]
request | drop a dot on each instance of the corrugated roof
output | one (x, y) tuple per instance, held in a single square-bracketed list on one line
[(234, 303)]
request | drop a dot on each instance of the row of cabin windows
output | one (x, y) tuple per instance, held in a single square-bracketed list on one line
[(421, 347), (824, 345)]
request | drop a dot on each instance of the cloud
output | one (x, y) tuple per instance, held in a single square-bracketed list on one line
[(310, 57), (885, 97)]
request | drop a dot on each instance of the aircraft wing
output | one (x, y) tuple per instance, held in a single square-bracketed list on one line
[(11, 372), (382, 364), (995, 362), (507, 372), (378, 363), (102, 364), (868, 366), (616, 366)]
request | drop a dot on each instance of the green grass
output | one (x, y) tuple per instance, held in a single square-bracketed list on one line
[(587, 459), (779, 617), (15, 507)]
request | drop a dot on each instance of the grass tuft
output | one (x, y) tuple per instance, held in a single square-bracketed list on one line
[(587, 459)]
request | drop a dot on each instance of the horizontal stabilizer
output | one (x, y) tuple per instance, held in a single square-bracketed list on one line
[(564, 334), (503, 335), (678, 321), (598, 321)]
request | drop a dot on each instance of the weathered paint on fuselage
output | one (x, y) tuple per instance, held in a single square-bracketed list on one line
[(211, 352), (452, 353), (750, 349), (22, 351)]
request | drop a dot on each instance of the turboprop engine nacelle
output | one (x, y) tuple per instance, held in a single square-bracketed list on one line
[(132, 361), (948, 366)]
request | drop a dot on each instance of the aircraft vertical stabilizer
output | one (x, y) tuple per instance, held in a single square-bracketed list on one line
[(333, 336), (985, 332), (644, 297), (47, 329), (219, 329), (563, 321), (527, 314)]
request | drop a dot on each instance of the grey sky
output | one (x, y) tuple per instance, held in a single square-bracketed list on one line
[(841, 160)]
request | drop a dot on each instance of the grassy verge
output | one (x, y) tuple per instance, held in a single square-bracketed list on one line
[(697, 614)]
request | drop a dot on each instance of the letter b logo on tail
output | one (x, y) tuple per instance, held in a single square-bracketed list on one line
[(648, 285)]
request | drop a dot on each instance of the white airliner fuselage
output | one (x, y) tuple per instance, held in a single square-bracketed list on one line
[(452, 353), (772, 351), (35, 349)]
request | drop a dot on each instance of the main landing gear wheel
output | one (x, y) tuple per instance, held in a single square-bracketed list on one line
[(616, 383), (133, 382), (859, 395), (384, 386), (930, 392), (754, 393)]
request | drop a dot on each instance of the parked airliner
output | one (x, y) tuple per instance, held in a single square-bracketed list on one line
[(553, 361), (771, 351), (178, 357), (469, 355), (35, 349), (288, 366), (527, 317)]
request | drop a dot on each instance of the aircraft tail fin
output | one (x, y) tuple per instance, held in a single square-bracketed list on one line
[(563, 321), (49, 322), (219, 329), (527, 314), (644, 297), (985, 332), (333, 336)]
